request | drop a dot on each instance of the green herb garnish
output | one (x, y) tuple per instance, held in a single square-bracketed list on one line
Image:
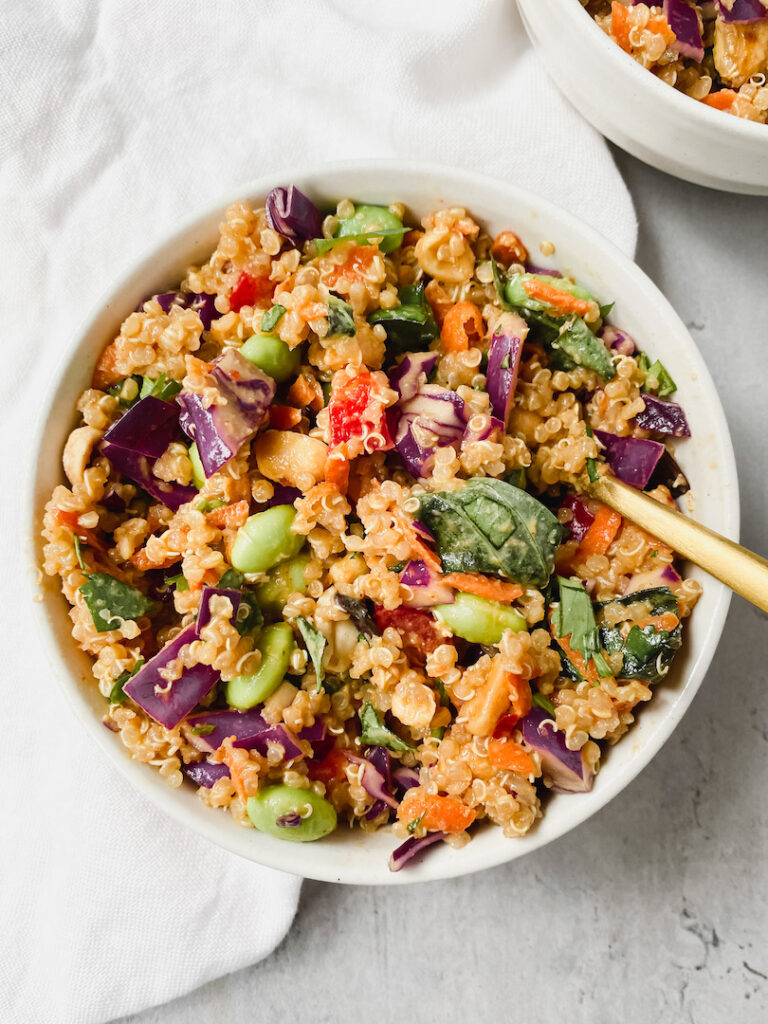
[(413, 825), (161, 387), (111, 602), (272, 318), (315, 643), (411, 326), (117, 694), (210, 505), (543, 702), (658, 379), (575, 617), (341, 319), (375, 734), (203, 730), (179, 582)]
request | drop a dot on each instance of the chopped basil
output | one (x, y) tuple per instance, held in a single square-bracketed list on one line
[(315, 643), (341, 319), (658, 379), (647, 653), (413, 825), (272, 318), (203, 730), (231, 580), (117, 694), (575, 617), (445, 700), (120, 391), (209, 506), (411, 326), (490, 526), (437, 734), (161, 387), (543, 702), (78, 552), (250, 616), (375, 734), (179, 582), (397, 567), (592, 470), (358, 613), (111, 602), (499, 279)]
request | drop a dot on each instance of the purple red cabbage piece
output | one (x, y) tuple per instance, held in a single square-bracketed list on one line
[(139, 469), (742, 11), (411, 373), (204, 610), (411, 848), (220, 429), (246, 728), (471, 435), (432, 409), (664, 576), (566, 768), (663, 417), (684, 22), (632, 459), (206, 773), (147, 428), (201, 302), (425, 586), (374, 781), (293, 215), (169, 703), (581, 518), (503, 364)]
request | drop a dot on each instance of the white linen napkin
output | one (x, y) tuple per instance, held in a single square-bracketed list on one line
[(117, 119)]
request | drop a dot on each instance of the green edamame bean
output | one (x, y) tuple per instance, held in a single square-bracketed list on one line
[(276, 646), (265, 539), (478, 620), (198, 473), (286, 579), (286, 812), (369, 219), (272, 356)]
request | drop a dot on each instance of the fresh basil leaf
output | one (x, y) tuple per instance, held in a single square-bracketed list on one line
[(584, 348), (315, 643), (78, 552), (179, 582), (161, 387), (411, 326), (231, 580), (375, 734), (117, 694), (341, 320), (606, 310), (656, 599), (272, 318), (250, 616), (543, 702), (500, 280), (658, 379), (490, 526), (359, 614), (574, 617), (647, 653), (111, 601)]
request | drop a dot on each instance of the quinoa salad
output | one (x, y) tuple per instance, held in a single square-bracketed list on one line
[(714, 51), (325, 535)]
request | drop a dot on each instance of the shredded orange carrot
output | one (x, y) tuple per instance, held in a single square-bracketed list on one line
[(463, 327), (722, 100), (420, 549), (661, 27), (143, 562), (507, 249), (560, 300), (440, 813), (600, 534), (229, 517), (666, 621), (620, 25), (312, 311), (520, 694), (510, 756), (306, 393), (69, 520), (337, 468), (483, 586), (355, 267), (438, 299), (225, 754), (283, 417)]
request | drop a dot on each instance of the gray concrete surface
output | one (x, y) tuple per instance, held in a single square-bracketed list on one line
[(656, 910)]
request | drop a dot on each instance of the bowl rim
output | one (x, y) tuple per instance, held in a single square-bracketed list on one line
[(288, 858), (686, 105)]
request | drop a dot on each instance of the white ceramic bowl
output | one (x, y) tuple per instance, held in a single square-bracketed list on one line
[(350, 856), (640, 113)]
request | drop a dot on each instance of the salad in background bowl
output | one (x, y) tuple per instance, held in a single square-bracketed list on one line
[(320, 536)]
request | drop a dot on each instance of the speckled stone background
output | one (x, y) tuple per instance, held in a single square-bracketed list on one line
[(656, 910)]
